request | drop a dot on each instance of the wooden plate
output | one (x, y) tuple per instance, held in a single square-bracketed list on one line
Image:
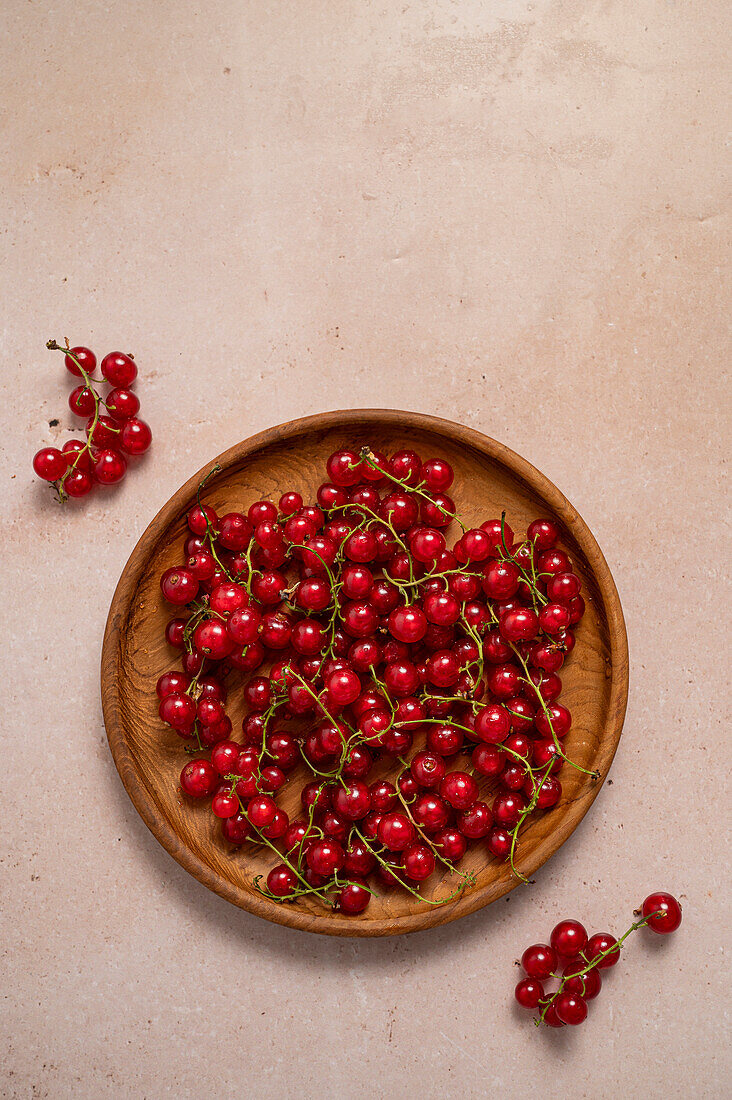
[(149, 756)]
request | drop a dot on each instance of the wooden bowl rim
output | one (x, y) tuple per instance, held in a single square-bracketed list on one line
[(144, 802)]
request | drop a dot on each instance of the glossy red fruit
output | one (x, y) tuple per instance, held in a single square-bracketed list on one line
[(451, 844), (199, 778), (418, 861), (598, 944), (476, 821), (121, 404), (529, 993), (282, 881), (586, 985), (540, 961), (664, 912), (136, 436), (492, 724), (396, 831), (49, 464), (570, 1008), (569, 938), (81, 357), (178, 586), (109, 466), (353, 898), (261, 811), (119, 369), (459, 789), (428, 769), (82, 402)]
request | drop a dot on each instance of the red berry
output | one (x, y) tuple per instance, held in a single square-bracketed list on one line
[(664, 912), (529, 992), (136, 436), (281, 881), (569, 938), (570, 1008), (459, 789), (50, 464), (396, 831), (119, 369), (353, 898), (540, 961), (109, 467), (597, 945), (198, 779), (86, 359)]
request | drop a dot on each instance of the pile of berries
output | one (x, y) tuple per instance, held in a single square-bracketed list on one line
[(409, 678), (574, 960), (110, 437)]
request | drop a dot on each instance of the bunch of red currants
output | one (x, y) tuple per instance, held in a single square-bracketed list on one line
[(575, 960), (374, 659), (111, 438)]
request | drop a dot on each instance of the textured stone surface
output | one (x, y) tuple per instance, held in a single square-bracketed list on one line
[(508, 214)]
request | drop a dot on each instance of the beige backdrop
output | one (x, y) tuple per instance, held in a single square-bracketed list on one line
[(509, 214)]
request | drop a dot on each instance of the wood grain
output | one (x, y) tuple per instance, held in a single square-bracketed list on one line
[(488, 478)]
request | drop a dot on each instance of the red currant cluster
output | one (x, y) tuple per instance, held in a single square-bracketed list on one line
[(110, 439), (575, 961), (380, 643)]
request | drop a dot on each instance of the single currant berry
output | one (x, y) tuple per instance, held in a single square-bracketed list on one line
[(224, 804), (587, 985), (476, 821), (82, 402), (492, 724), (529, 993), (428, 769), (569, 938), (418, 861), (199, 779), (499, 841), (235, 829), (170, 682), (519, 625), (83, 357), (261, 811), (451, 844), (109, 467), (437, 475), (177, 710), (281, 881), (542, 534), (406, 466), (407, 624), (103, 432), (459, 789), (119, 369), (344, 468), (353, 801), (353, 898), (325, 857), (598, 945), (570, 1008), (77, 455), (122, 404), (664, 912), (540, 961), (78, 483), (50, 464), (563, 587), (400, 510), (136, 436), (396, 831)]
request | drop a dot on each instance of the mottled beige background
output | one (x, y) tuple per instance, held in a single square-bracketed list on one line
[(510, 214)]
